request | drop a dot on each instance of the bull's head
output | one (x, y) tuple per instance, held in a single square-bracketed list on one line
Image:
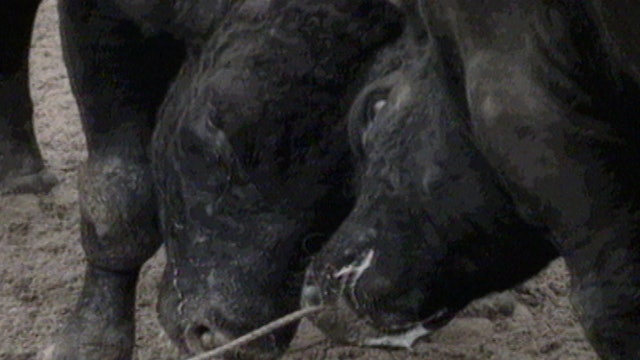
[(433, 226), (252, 163)]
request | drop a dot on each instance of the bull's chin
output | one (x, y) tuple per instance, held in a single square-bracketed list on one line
[(406, 335), (341, 323), (439, 319)]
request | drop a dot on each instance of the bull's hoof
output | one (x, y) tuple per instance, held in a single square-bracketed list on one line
[(36, 183), (102, 325), (84, 352), (77, 343)]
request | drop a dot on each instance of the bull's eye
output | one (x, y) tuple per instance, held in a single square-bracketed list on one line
[(375, 103), (378, 106), (363, 114)]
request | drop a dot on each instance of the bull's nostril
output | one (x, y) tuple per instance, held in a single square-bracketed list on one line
[(311, 296), (201, 338)]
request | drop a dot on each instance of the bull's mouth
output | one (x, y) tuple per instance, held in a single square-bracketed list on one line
[(411, 333), (340, 322), (199, 339), (346, 320), (439, 319)]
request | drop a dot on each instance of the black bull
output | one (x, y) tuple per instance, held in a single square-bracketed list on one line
[(513, 126), (217, 127)]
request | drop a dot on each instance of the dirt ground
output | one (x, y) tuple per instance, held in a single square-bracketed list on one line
[(41, 263)]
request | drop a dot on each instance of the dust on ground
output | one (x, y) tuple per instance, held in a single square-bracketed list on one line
[(41, 263)]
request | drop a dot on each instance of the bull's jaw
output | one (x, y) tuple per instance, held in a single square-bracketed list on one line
[(341, 321), (343, 324)]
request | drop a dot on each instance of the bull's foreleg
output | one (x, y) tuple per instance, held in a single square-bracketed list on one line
[(21, 165), (119, 78)]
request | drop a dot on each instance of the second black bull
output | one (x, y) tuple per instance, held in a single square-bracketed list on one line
[(217, 128), (510, 130)]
